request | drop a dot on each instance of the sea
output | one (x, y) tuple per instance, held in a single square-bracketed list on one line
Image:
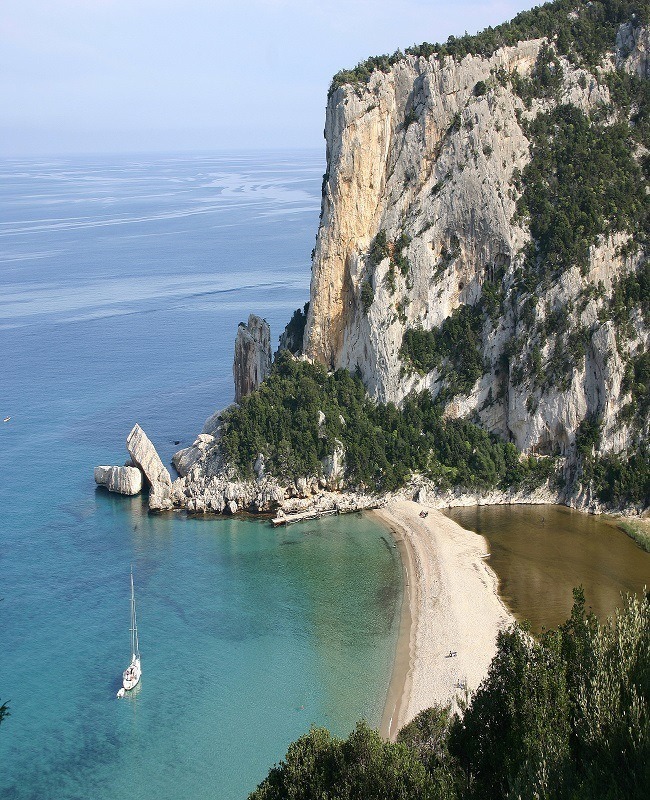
[(123, 280)]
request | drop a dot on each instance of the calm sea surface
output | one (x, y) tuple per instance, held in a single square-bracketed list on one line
[(123, 281)]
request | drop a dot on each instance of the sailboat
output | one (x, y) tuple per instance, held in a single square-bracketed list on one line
[(131, 675)]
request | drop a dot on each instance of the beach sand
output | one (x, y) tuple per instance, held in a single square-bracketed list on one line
[(450, 605)]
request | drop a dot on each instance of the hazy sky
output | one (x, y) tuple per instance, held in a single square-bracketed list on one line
[(129, 75)]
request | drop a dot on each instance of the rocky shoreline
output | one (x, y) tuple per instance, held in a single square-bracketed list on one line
[(206, 485)]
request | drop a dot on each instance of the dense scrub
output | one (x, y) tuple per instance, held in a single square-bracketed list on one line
[(383, 444), (615, 478), (581, 182), (566, 716), (454, 348)]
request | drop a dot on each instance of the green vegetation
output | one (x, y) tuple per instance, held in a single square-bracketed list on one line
[(637, 381), (630, 291), (580, 29), (399, 258), (367, 295), (564, 717), (582, 181), (480, 88), (379, 249), (455, 347), (383, 444), (639, 530), (630, 94), (545, 79), (295, 331), (620, 479), (617, 479), (318, 766)]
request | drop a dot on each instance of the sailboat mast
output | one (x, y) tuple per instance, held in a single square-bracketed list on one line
[(135, 650), (135, 627)]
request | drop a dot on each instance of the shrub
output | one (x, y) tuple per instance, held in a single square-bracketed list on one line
[(367, 295), (480, 88)]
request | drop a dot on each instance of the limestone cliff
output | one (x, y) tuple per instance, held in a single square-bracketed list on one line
[(422, 215), (252, 361)]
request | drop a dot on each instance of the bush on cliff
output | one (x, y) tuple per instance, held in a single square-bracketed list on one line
[(582, 181)]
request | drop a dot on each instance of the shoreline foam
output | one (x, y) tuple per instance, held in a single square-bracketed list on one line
[(452, 605)]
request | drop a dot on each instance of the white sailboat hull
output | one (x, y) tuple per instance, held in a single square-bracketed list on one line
[(131, 675)]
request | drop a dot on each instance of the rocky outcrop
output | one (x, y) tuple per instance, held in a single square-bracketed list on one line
[(429, 154), (633, 50), (291, 338), (334, 467), (252, 356), (123, 480), (144, 455), (185, 459)]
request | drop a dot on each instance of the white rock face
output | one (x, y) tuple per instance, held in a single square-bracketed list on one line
[(417, 151), (633, 50), (144, 455), (123, 480), (252, 356), (427, 179), (334, 467)]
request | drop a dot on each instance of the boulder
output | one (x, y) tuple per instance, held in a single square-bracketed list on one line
[(214, 423), (123, 480), (185, 459), (144, 455)]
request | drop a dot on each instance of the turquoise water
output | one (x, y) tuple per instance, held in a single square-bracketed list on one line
[(123, 283)]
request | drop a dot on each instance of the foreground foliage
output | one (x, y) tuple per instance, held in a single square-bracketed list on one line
[(383, 444), (567, 716)]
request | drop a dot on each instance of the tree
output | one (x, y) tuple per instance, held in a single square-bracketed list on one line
[(319, 766)]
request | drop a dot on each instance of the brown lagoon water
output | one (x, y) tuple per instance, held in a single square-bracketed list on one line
[(541, 552)]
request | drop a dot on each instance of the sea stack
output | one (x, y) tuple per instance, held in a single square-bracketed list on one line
[(144, 455), (252, 356)]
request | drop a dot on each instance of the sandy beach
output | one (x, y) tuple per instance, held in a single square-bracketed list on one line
[(451, 606)]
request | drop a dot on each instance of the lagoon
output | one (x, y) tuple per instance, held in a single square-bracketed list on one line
[(541, 552)]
